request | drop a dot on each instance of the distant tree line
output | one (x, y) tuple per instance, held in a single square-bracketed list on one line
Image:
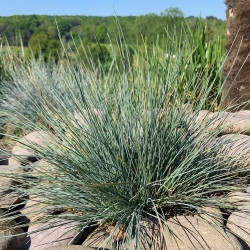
[(41, 32), (93, 28)]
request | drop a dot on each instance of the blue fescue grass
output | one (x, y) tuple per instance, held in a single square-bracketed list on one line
[(124, 144)]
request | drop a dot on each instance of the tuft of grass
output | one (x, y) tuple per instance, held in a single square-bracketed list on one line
[(124, 145)]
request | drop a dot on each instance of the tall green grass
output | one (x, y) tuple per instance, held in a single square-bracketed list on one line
[(124, 145), (198, 58)]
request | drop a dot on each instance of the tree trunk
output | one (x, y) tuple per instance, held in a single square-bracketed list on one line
[(238, 30)]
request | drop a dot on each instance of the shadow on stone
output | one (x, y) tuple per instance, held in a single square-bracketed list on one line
[(26, 244), (4, 161)]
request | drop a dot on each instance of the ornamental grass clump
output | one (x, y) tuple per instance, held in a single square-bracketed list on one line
[(124, 148), (27, 87)]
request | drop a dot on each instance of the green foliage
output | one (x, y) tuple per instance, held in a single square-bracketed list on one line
[(173, 13), (64, 25), (42, 44), (149, 25), (52, 32), (101, 33), (211, 17), (39, 43)]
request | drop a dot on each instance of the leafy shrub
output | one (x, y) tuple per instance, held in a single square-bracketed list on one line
[(42, 44)]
